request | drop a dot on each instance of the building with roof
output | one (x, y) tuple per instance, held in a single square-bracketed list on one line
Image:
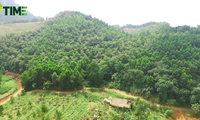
[(118, 102)]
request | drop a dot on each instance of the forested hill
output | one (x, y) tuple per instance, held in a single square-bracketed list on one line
[(73, 50)]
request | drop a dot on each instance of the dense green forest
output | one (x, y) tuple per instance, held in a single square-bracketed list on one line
[(72, 51)]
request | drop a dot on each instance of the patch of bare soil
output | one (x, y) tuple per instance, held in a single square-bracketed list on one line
[(90, 104), (178, 113)]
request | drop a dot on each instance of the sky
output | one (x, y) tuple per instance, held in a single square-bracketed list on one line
[(122, 12)]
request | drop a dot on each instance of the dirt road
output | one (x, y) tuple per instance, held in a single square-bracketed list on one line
[(6, 99)]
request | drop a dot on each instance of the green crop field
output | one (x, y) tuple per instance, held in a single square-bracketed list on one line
[(8, 87), (52, 106)]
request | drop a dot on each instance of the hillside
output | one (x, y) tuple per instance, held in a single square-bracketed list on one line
[(72, 51)]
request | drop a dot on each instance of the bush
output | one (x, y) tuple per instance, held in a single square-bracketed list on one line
[(34, 114), (23, 92), (196, 109), (12, 99), (171, 102), (168, 113), (18, 113), (114, 85), (33, 93), (10, 116), (62, 94), (1, 110), (44, 108), (58, 115)]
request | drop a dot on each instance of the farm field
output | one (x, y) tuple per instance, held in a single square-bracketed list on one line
[(8, 87), (18, 27), (53, 106)]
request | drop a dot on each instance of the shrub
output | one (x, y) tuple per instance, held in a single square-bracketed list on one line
[(18, 113), (34, 114), (44, 108), (58, 115), (12, 99), (62, 94), (1, 110), (196, 109), (30, 104), (33, 93), (171, 102), (23, 92), (168, 113), (10, 116)]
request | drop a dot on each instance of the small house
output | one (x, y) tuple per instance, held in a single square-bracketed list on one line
[(118, 102)]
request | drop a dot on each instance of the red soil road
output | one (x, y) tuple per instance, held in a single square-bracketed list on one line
[(177, 112), (18, 83)]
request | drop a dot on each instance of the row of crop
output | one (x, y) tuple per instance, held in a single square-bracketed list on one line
[(51, 115), (75, 109), (36, 108), (79, 111), (50, 106)]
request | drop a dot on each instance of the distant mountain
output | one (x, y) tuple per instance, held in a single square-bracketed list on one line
[(149, 26), (117, 26), (4, 18)]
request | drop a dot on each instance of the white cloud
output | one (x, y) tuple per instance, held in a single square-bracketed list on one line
[(176, 12)]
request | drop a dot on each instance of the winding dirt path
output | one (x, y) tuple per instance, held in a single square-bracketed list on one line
[(6, 99), (177, 112)]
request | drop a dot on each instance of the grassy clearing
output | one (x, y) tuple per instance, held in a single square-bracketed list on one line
[(52, 106), (8, 87), (18, 27)]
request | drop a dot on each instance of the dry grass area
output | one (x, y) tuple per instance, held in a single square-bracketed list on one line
[(152, 28), (132, 29), (18, 27)]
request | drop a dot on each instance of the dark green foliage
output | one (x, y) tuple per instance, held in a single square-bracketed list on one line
[(1, 110), (168, 113), (18, 113), (44, 108), (58, 115), (12, 99), (23, 92), (196, 109), (0, 79), (10, 116)]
